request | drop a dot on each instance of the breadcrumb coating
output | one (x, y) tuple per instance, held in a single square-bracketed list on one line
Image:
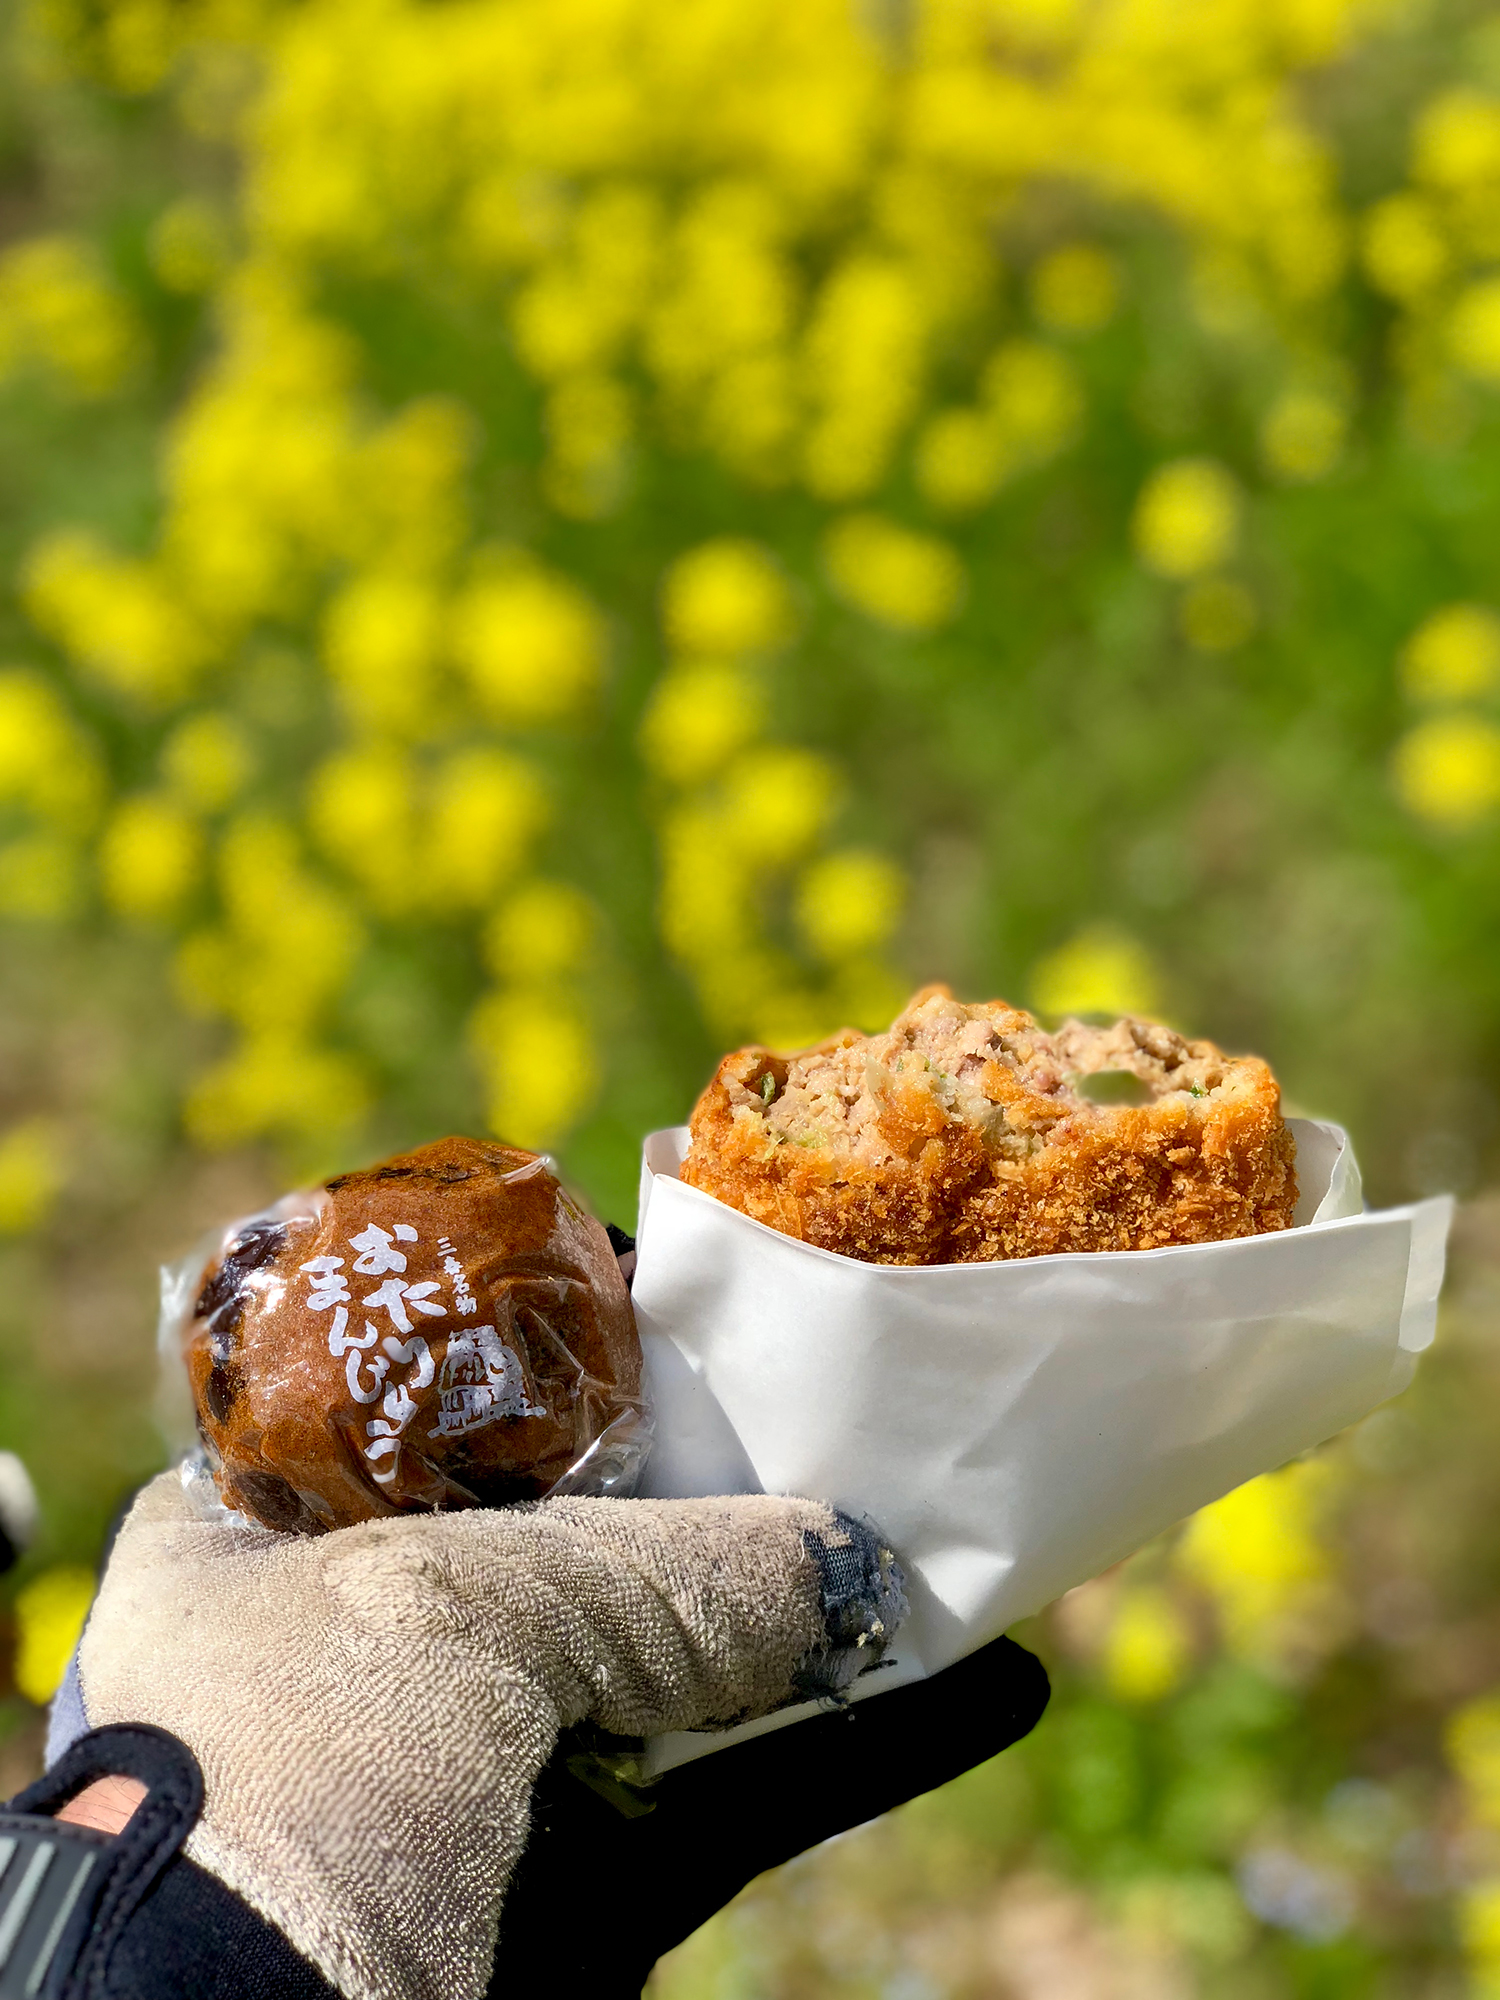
[(966, 1134)]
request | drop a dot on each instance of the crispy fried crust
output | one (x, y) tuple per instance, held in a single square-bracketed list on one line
[(967, 1134)]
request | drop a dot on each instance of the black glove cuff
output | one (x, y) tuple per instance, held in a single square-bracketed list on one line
[(86, 1914)]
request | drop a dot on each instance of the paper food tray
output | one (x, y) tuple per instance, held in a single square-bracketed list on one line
[(1014, 1428)]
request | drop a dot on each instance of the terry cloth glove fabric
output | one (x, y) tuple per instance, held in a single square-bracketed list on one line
[(370, 1709)]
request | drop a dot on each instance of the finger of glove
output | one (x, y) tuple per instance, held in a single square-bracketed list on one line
[(645, 1615)]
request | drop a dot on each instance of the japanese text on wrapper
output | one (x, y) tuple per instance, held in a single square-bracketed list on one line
[(482, 1378)]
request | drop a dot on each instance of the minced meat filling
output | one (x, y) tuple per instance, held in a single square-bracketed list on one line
[(989, 1066)]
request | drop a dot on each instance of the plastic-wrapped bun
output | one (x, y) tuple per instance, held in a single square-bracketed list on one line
[(446, 1329)]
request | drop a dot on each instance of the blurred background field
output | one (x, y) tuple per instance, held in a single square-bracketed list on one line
[(540, 539)]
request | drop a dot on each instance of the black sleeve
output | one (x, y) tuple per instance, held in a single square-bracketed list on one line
[(685, 1846), (89, 1916)]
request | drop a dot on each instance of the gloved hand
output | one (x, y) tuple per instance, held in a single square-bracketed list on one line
[(370, 1709)]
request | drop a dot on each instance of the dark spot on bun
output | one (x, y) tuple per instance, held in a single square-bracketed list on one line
[(273, 1500), (222, 1299), (224, 1385)]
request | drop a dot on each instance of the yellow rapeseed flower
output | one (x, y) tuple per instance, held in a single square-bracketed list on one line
[(1259, 1556), (118, 617), (150, 856), (361, 810), (537, 1054), (1471, 1740), (208, 759), (50, 1614), (1034, 399), (382, 634), (699, 714), (1148, 1648), (849, 902), (543, 933), (47, 763), (1100, 971), (1447, 770), (1187, 518), (530, 641), (865, 360), (959, 460), (1474, 330), (275, 1084), (777, 801), (910, 581), (727, 597), (59, 311), (33, 1170), (1406, 251), (486, 808), (1454, 654), (1456, 140)]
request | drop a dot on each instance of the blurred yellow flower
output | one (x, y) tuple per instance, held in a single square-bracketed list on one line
[(1474, 330), (727, 597), (487, 807), (1101, 971), (589, 426), (1148, 1647), (208, 759), (47, 763), (150, 856), (530, 641), (1405, 250), (1258, 1555), (33, 1168), (1035, 399), (849, 902), (959, 460), (1217, 614), (1302, 434), (1076, 288), (117, 616), (57, 309), (50, 1614), (543, 933), (537, 1055), (361, 810), (1447, 770), (777, 801), (381, 638), (1472, 1743), (275, 1084), (865, 359), (699, 714), (1456, 141), (909, 581), (1187, 518), (189, 245), (1454, 654)]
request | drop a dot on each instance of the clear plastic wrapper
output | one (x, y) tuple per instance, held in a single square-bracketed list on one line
[(446, 1329)]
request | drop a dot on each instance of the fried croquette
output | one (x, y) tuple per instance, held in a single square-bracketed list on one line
[(967, 1134)]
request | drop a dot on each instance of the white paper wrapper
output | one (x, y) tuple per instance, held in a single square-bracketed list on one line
[(1015, 1428)]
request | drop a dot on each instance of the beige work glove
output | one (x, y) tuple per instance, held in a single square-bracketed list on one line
[(370, 1708)]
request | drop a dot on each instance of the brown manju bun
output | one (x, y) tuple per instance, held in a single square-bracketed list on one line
[(446, 1329)]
